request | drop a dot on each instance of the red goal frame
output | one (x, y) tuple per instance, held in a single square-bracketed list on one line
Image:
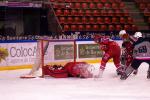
[(56, 40)]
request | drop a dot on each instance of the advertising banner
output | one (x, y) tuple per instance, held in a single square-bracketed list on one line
[(89, 51), (62, 52), (18, 53)]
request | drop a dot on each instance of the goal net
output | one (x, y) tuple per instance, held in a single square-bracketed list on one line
[(57, 51)]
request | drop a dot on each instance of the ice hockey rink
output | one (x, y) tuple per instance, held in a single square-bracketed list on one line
[(109, 87)]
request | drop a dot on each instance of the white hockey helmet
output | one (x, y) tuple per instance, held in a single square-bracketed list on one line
[(122, 32), (138, 34)]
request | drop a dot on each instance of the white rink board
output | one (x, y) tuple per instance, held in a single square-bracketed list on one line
[(24, 53)]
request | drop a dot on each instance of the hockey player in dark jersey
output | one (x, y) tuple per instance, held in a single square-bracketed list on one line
[(141, 53), (127, 51)]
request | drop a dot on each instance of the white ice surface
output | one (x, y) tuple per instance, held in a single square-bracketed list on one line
[(109, 87)]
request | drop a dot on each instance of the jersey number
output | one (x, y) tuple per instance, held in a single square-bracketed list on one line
[(142, 49)]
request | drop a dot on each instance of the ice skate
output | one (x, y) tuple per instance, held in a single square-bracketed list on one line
[(123, 76), (148, 75), (135, 72), (99, 75), (126, 73), (120, 71)]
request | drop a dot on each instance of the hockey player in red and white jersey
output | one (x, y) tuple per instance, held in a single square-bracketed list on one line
[(141, 53), (111, 50), (71, 69)]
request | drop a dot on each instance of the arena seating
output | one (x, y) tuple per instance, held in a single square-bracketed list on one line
[(144, 6), (92, 15)]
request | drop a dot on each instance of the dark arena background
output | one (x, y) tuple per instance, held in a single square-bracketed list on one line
[(22, 18), (55, 17)]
